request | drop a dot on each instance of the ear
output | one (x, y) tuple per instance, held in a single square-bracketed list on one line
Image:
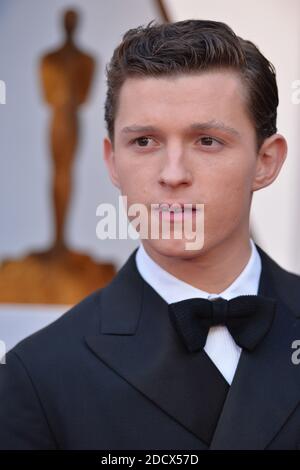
[(270, 159), (109, 159)]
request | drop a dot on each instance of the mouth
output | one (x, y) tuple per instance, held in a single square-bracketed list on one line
[(176, 212), (176, 207)]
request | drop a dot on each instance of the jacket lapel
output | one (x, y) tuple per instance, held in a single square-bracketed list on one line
[(138, 341), (265, 389)]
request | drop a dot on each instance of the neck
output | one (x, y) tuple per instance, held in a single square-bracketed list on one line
[(213, 270)]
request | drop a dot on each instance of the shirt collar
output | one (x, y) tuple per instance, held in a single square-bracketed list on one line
[(172, 289)]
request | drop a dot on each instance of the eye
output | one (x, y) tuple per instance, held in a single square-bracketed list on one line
[(208, 141), (142, 141)]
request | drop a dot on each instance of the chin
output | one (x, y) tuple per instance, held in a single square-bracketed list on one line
[(172, 248)]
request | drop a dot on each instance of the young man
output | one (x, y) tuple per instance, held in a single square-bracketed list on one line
[(191, 118)]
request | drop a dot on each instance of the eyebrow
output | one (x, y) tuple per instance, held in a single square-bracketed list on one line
[(196, 126)]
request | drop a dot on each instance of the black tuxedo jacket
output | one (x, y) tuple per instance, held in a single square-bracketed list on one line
[(112, 373)]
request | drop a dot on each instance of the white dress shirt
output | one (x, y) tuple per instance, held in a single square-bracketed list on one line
[(220, 346)]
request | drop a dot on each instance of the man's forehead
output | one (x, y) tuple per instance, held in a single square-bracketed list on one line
[(147, 100), (226, 76), (206, 89)]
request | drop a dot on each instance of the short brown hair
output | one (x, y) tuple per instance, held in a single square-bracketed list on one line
[(190, 46)]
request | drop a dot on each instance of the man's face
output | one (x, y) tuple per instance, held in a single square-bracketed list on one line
[(196, 144)]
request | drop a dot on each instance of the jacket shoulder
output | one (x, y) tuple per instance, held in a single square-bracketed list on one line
[(286, 283), (65, 333)]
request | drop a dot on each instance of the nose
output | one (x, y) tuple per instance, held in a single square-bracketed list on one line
[(174, 172)]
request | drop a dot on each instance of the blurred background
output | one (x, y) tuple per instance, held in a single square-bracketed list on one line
[(31, 28)]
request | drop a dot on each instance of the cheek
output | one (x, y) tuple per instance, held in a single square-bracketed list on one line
[(135, 185), (136, 177), (235, 177), (228, 193)]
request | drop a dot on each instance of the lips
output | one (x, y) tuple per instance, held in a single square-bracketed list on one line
[(176, 207)]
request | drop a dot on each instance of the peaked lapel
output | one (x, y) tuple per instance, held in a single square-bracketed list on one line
[(266, 386), (138, 341)]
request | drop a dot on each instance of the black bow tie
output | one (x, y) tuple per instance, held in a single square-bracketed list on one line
[(247, 317)]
